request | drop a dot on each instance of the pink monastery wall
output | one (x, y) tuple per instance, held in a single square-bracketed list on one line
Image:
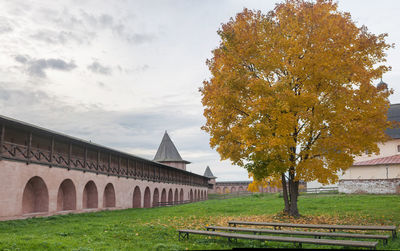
[(30, 190)]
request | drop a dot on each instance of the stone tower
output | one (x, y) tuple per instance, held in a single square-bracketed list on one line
[(169, 155), (211, 181)]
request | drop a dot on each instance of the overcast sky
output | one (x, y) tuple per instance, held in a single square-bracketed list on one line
[(120, 73)]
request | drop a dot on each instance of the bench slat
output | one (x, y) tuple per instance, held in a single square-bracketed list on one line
[(349, 227), (366, 244), (350, 235)]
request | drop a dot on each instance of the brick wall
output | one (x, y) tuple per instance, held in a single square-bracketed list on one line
[(372, 186)]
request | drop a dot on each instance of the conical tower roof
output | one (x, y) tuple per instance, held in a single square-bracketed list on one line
[(167, 151), (208, 173)]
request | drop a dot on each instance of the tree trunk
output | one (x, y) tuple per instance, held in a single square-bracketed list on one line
[(293, 193), (285, 194), (290, 191)]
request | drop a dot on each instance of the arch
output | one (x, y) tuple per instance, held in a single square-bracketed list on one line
[(233, 190), (35, 197), (155, 197), (225, 190), (163, 196), (109, 196), (176, 196), (66, 197), (181, 195), (170, 196), (202, 195), (90, 197), (218, 190), (146, 198), (137, 198), (241, 189), (191, 195)]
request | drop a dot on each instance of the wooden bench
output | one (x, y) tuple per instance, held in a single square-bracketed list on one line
[(304, 233), (184, 234), (331, 228)]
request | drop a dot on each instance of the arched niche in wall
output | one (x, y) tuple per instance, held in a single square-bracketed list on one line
[(170, 196), (35, 197), (164, 196), (136, 203), (90, 195), (109, 196), (176, 195), (155, 197), (146, 198), (66, 197)]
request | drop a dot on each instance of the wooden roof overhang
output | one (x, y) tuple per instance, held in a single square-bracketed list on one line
[(6, 121)]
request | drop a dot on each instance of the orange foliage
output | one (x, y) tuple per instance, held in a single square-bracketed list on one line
[(291, 92), (293, 89), (265, 182)]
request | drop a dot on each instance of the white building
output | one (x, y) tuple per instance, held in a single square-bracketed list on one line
[(376, 173)]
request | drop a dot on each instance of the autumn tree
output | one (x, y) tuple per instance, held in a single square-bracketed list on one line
[(290, 95)]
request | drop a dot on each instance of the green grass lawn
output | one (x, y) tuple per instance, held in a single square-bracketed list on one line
[(156, 228)]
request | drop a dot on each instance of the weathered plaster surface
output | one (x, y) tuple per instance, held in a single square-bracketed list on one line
[(372, 186), (372, 172)]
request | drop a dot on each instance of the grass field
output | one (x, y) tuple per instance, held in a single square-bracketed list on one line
[(155, 228)]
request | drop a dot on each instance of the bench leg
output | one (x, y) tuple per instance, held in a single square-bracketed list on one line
[(298, 245), (183, 236), (230, 239)]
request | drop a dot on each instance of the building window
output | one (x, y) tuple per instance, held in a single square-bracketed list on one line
[(398, 148)]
